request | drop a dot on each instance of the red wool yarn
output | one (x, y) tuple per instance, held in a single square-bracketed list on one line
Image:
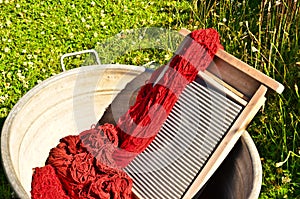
[(139, 126), (85, 167), (46, 185), (89, 165)]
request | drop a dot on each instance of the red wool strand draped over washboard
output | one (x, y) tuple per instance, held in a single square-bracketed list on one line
[(90, 165)]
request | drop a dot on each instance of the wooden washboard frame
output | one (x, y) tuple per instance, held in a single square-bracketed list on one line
[(241, 82), (247, 86)]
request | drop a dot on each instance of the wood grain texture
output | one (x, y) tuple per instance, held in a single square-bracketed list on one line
[(250, 71), (222, 87)]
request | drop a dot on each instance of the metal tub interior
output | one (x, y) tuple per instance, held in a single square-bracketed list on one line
[(71, 102)]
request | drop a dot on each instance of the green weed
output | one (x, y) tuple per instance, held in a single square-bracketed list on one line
[(265, 34)]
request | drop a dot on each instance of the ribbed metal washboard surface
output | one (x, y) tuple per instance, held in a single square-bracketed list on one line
[(193, 129)]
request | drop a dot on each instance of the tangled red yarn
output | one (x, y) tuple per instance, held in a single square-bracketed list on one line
[(45, 184), (139, 126), (89, 165), (85, 166)]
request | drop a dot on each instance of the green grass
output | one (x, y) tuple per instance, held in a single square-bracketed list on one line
[(34, 35)]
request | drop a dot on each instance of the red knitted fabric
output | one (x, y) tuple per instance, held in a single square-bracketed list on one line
[(88, 165), (46, 185)]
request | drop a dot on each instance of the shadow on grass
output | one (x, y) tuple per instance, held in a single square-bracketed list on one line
[(6, 190), (2, 120)]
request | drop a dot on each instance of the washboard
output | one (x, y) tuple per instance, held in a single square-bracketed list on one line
[(202, 128)]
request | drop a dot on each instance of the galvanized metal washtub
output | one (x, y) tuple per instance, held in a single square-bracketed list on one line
[(70, 102)]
